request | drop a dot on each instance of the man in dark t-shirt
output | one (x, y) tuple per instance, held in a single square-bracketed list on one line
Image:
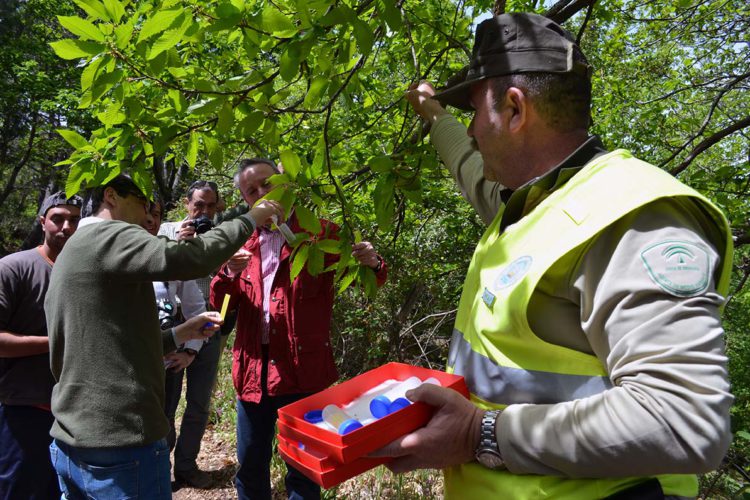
[(25, 377)]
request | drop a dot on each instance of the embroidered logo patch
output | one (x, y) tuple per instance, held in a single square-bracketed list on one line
[(512, 273), (679, 267)]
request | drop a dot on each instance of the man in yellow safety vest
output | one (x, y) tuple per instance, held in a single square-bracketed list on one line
[(589, 329)]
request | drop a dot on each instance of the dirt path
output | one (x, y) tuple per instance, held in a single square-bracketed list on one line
[(218, 457)]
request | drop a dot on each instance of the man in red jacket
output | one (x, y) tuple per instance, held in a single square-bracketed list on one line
[(283, 350)]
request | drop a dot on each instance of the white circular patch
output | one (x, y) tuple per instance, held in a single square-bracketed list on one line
[(679, 267), (512, 273)]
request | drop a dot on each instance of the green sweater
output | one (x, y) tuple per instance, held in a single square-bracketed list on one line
[(106, 346)]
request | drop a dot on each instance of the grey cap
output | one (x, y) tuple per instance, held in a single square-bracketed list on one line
[(515, 43), (57, 199)]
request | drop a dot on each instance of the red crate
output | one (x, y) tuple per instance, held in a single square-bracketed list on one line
[(349, 447), (319, 467)]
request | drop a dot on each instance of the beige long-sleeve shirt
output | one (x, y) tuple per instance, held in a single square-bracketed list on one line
[(668, 410)]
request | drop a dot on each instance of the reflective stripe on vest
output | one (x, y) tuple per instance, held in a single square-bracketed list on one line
[(504, 385), (493, 346)]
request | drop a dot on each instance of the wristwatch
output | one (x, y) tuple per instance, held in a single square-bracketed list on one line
[(488, 452)]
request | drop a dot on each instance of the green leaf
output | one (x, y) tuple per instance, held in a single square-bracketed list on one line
[(308, 220), (315, 260), (364, 36), (206, 106), (300, 258), (278, 180), (81, 171), (73, 138), (368, 280), (317, 88), (169, 39), (192, 151), (348, 279), (159, 23), (383, 198), (226, 119), (291, 163), (275, 22), (330, 246), (250, 123), (743, 434), (215, 152), (122, 35), (389, 13), (113, 115), (76, 49), (381, 164), (115, 10), (89, 73), (289, 63), (93, 8), (81, 28), (177, 100)]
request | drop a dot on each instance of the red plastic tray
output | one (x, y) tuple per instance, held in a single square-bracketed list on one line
[(349, 447), (319, 467)]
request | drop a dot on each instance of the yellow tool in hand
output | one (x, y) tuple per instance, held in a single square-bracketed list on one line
[(224, 306)]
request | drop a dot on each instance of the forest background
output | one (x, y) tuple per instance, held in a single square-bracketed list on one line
[(172, 91)]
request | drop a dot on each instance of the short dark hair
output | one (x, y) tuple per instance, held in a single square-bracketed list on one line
[(251, 162), (122, 184), (202, 186), (157, 201), (563, 100)]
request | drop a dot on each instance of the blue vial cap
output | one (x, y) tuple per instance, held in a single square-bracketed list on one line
[(379, 406), (300, 446), (313, 416), (208, 325), (349, 425), (398, 404)]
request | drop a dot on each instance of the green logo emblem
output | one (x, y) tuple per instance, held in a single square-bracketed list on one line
[(679, 267)]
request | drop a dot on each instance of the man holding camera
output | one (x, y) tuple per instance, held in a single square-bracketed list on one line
[(201, 203)]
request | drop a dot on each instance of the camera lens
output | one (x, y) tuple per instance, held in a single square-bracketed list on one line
[(202, 224)]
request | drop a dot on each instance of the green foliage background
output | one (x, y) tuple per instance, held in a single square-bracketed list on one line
[(175, 90)]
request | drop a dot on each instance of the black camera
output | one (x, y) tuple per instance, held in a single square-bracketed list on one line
[(167, 314), (202, 223)]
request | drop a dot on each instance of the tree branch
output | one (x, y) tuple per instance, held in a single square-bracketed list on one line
[(21, 163), (710, 141)]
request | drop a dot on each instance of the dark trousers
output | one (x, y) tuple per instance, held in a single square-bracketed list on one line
[(25, 467), (201, 376), (256, 425)]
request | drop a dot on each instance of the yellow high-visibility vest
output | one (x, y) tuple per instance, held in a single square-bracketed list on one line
[(502, 359)]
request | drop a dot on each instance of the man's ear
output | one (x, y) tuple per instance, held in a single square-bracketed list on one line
[(187, 201), (111, 197), (280, 167), (518, 107), (41, 219)]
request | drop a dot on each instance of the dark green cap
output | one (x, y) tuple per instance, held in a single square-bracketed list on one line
[(515, 43)]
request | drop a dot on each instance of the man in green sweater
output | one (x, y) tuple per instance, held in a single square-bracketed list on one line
[(106, 346)]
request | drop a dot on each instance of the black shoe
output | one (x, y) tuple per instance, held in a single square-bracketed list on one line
[(195, 478)]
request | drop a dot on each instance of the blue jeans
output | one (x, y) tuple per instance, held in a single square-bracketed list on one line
[(201, 375), (256, 424), (138, 472), (25, 468)]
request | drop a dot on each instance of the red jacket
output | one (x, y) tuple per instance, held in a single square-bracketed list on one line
[(299, 352)]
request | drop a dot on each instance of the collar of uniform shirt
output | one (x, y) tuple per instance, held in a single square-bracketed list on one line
[(521, 201)]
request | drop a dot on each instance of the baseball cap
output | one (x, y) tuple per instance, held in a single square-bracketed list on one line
[(57, 199), (515, 43)]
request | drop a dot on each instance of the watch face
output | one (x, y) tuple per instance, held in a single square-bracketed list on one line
[(490, 459)]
